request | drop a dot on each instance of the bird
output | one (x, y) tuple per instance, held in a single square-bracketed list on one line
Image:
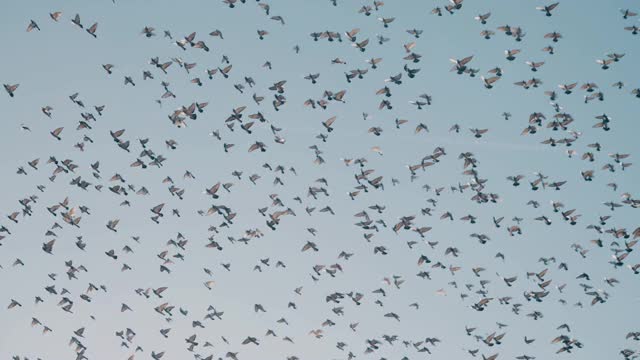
[(10, 89)]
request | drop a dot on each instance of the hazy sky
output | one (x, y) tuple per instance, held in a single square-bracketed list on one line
[(62, 59)]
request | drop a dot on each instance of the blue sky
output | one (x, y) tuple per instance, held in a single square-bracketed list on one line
[(62, 59)]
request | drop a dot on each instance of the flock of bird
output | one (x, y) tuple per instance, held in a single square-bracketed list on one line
[(477, 275)]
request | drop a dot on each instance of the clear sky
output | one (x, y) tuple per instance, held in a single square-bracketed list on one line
[(61, 59)]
